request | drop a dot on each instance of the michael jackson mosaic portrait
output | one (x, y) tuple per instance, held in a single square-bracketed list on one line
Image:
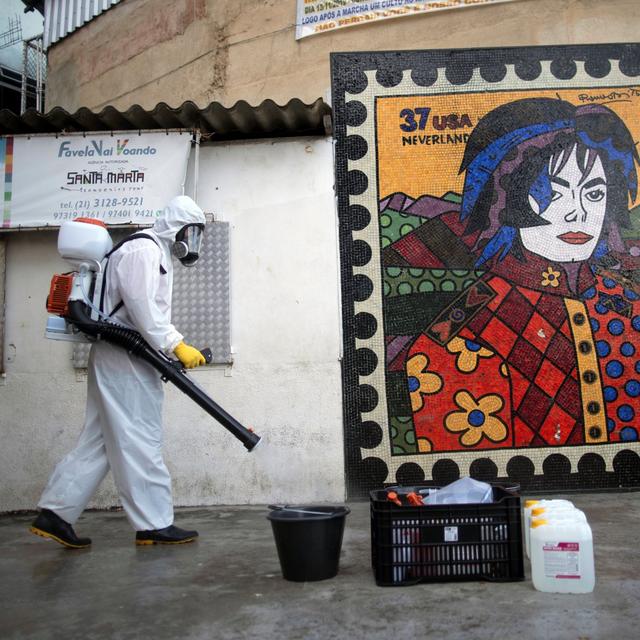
[(490, 248)]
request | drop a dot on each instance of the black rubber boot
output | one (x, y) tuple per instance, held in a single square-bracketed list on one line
[(168, 535), (50, 525)]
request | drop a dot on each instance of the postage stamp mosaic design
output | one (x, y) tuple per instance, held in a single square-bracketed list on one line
[(490, 250)]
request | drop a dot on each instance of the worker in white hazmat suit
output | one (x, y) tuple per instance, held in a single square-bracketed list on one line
[(123, 424)]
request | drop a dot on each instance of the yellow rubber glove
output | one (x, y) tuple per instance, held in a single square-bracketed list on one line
[(189, 356)]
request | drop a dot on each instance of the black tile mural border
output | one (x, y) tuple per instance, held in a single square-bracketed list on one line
[(365, 472)]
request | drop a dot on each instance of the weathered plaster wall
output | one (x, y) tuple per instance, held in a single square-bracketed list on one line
[(149, 51)]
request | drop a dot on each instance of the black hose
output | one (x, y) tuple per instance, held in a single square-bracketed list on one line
[(132, 341)]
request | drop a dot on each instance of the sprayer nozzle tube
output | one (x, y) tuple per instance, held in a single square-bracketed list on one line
[(136, 344), (251, 446)]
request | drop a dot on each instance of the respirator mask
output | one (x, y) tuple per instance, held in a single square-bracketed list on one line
[(187, 244)]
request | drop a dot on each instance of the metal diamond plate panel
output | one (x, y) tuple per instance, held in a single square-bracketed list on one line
[(200, 299), (201, 295)]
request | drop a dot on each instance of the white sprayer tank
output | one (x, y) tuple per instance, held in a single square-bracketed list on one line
[(83, 240)]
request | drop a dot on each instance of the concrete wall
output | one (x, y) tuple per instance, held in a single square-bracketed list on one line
[(285, 379), (150, 51)]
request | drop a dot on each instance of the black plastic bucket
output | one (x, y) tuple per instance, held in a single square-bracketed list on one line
[(309, 540)]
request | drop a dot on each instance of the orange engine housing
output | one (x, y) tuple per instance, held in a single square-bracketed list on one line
[(59, 292)]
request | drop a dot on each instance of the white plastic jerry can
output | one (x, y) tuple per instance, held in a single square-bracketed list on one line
[(547, 512), (562, 555), (531, 504)]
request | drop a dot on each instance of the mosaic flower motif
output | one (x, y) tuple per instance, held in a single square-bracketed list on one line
[(469, 353), (420, 381), (476, 419), (550, 278)]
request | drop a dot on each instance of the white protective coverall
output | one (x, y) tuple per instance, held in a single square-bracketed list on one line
[(123, 424)]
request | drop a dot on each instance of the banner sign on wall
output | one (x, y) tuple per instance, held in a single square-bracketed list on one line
[(119, 178), (318, 16)]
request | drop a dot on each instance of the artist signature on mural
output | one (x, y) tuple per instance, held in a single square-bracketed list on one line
[(613, 96)]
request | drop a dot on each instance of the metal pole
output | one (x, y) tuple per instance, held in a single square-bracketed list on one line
[(196, 168), (23, 89), (39, 104)]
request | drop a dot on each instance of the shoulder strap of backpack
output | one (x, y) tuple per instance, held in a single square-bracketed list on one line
[(134, 236)]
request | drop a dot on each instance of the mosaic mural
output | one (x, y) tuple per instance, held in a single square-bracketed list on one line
[(490, 262)]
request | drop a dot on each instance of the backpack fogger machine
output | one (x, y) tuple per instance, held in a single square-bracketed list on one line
[(76, 316)]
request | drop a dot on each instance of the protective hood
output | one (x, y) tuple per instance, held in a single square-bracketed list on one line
[(182, 210)]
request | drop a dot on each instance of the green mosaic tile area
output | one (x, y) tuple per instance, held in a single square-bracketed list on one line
[(403, 437), (399, 281)]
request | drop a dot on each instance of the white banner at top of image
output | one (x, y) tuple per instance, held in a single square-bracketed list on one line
[(119, 178), (318, 16)]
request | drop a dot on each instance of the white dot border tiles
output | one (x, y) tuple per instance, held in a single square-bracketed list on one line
[(363, 78)]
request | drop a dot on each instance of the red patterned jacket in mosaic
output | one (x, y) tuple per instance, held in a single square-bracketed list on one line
[(522, 360)]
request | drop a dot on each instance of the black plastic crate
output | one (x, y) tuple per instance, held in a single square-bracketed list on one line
[(445, 543)]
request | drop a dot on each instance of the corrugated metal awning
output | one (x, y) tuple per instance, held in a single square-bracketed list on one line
[(62, 17), (241, 121)]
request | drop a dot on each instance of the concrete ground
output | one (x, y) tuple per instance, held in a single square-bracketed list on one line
[(229, 585)]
